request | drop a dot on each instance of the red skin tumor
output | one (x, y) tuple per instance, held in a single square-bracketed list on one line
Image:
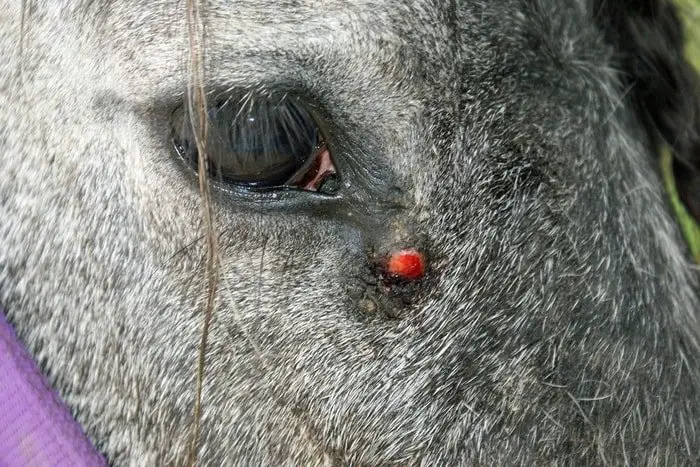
[(408, 264)]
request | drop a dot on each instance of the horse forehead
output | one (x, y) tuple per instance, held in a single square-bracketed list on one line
[(257, 41), (350, 27), (236, 16)]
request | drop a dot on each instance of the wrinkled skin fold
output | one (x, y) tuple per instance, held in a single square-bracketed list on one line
[(558, 322)]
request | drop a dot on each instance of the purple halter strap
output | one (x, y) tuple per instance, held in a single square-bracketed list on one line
[(35, 427)]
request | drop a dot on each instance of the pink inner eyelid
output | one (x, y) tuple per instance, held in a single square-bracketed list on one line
[(323, 167)]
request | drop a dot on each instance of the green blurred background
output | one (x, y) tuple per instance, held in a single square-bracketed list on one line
[(690, 12)]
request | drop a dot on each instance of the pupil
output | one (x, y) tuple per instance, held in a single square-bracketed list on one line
[(264, 146), (259, 144)]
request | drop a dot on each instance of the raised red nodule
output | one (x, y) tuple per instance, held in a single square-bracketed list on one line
[(406, 264)]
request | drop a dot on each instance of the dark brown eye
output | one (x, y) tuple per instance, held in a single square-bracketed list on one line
[(260, 143)]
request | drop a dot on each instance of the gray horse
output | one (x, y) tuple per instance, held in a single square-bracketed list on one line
[(418, 232)]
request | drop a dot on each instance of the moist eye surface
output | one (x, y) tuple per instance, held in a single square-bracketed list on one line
[(259, 143)]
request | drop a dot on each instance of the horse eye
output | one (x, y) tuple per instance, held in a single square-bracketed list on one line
[(260, 144)]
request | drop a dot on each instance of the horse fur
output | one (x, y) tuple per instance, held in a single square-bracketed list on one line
[(558, 322)]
